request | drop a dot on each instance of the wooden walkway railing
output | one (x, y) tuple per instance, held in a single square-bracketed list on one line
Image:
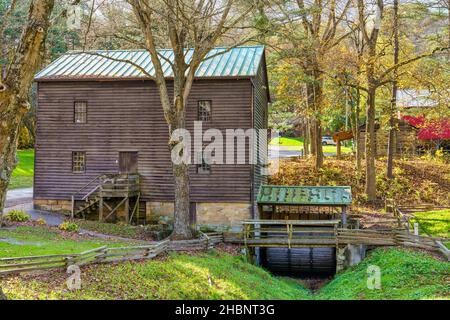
[(286, 233), (326, 233)]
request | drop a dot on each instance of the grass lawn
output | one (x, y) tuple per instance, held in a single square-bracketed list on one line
[(210, 275), (214, 275), (125, 231), (22, 176), (35, 240), (405, 275), (434, 223), (296, 144)]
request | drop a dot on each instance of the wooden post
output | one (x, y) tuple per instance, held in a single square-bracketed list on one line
[(72, 213), (127, 208), (100, 208), (344, 216), (338, 149)]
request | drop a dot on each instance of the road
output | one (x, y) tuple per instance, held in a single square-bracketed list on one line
[(284, 152)]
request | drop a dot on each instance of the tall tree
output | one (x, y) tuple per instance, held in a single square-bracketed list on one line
[(193, 27), (393, 106), (370, 26), (308, 31), (15, 86)]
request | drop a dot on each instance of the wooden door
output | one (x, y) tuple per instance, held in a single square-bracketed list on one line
[(128, 162)]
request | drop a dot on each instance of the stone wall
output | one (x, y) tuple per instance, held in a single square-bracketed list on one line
[(218, 215), (60, 206), (222, 213), (156, 209)]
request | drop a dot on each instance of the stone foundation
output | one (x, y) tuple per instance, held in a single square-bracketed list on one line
[(349, 255), (60, 206), (217, 215), (157, 208)]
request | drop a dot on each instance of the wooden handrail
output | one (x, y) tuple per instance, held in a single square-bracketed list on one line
[(104, 178), (293, 222)]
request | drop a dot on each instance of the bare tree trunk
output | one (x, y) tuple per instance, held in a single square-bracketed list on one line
[(370, 187), (312, 138), (392, 129), (182, 227), (306, 140), (357, 136), (314, 91), (15, 88)]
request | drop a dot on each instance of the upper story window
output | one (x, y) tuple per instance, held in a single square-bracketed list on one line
[(204, 110), (80, 112), (78, 161)]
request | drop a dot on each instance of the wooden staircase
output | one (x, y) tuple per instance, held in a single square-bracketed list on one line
[(106, 194)]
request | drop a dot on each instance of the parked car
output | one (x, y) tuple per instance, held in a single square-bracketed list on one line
[(328, 140)]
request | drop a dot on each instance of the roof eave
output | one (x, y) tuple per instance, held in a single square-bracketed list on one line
[(100, 79)]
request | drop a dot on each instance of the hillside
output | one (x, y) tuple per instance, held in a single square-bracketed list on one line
[(416, 181), (217, 275)]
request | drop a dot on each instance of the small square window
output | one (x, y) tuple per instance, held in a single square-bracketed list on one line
[(204, 110), (78, 161), (204, 167), (80, 111)]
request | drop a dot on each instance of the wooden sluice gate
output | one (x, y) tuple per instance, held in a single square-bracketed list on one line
[(293, 246), (297, 229)]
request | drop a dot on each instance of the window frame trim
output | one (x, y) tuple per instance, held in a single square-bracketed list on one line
[(210, 110), (75, 112), (85, 161)]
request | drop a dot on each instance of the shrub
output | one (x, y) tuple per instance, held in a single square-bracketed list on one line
[(69, 226), (17, 216)]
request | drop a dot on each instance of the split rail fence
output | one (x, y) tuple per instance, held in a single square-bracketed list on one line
[(106, 255)]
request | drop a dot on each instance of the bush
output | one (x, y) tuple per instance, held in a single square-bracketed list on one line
[(17, 216), (69, 226)]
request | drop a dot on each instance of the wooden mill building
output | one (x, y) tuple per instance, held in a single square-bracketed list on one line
[(102, 140)]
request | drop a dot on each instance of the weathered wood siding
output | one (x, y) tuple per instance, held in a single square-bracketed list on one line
[(127, 116), (260, 121)]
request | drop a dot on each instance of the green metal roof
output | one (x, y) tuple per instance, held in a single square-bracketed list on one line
[(235, 62), (305, 195)]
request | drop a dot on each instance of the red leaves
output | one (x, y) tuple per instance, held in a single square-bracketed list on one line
[(434, 129)]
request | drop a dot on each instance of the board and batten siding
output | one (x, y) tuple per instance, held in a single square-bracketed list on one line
[(127, 116)]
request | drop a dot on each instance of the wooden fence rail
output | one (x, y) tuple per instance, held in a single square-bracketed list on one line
[(106, 255), (97, 255)]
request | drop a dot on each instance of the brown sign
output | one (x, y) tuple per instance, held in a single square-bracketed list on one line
[(343, 135)]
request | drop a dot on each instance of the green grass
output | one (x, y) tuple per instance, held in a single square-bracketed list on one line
[(125, 231), (405, 275), (30, 241), (287, 141), (296, 144), (207, 276), (434, 223), (22, 176)]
